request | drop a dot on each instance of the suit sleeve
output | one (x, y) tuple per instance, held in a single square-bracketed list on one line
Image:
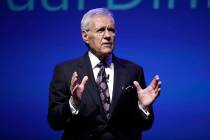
[(142, 122), (59, 112)]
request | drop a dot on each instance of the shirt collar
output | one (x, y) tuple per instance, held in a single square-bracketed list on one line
[(94, 59)]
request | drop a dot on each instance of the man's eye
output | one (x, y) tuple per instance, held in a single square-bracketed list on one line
[(112, 30), (101, 30)]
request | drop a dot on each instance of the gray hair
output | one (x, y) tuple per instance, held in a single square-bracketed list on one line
[(87, 16)]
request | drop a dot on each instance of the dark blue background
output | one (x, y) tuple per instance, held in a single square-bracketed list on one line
[(174, 43)]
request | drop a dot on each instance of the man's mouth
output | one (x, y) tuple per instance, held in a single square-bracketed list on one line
[(107, 43)]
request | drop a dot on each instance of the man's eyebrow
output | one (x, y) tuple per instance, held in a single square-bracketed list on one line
[(100, 28)]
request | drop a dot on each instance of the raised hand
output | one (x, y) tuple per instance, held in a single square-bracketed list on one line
[(77, 89), (148, 95)]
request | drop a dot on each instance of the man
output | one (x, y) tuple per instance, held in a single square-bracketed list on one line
[(99, 96)]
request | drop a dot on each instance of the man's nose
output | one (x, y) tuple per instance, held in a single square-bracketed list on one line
[(107, 34)]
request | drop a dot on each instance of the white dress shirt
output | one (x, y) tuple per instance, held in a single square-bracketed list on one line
[(109, 71)]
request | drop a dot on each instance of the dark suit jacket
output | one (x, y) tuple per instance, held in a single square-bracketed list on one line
[(126, 120)]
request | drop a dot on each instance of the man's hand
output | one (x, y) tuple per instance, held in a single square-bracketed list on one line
[(148, 95), (77, 89)]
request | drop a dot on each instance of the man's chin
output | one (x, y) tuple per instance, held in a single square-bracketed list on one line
[(107, 49), (105, 54)]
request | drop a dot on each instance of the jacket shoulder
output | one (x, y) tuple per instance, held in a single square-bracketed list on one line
[(70, 63), (129, 64)]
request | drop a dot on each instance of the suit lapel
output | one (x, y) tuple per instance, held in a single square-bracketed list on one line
[(119, 81), (84, 68)]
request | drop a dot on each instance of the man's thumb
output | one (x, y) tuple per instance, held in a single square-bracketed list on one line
[(136, 84)]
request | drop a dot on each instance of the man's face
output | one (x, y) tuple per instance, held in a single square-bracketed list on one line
[(101, 35)]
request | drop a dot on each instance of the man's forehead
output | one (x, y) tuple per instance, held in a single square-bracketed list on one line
[(102, 20)]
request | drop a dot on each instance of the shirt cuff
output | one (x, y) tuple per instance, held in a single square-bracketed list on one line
[(74, 109), (144, 110)]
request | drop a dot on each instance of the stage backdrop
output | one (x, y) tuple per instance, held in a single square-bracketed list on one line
[(167, 37)]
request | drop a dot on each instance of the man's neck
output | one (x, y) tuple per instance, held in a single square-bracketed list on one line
[(107, 58), (95, 60)]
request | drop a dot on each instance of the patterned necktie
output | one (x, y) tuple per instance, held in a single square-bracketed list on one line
[(103, 88)]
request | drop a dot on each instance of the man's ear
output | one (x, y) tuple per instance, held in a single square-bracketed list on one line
[(85, 36)]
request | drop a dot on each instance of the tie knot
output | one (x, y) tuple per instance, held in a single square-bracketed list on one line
[(102, 64)]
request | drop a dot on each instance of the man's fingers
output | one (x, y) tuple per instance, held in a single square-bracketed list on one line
[(81, 87), (74, 77), (73, 81), (74, 88), (84, 81), (154, 82), (158, 86), (136, 84)]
